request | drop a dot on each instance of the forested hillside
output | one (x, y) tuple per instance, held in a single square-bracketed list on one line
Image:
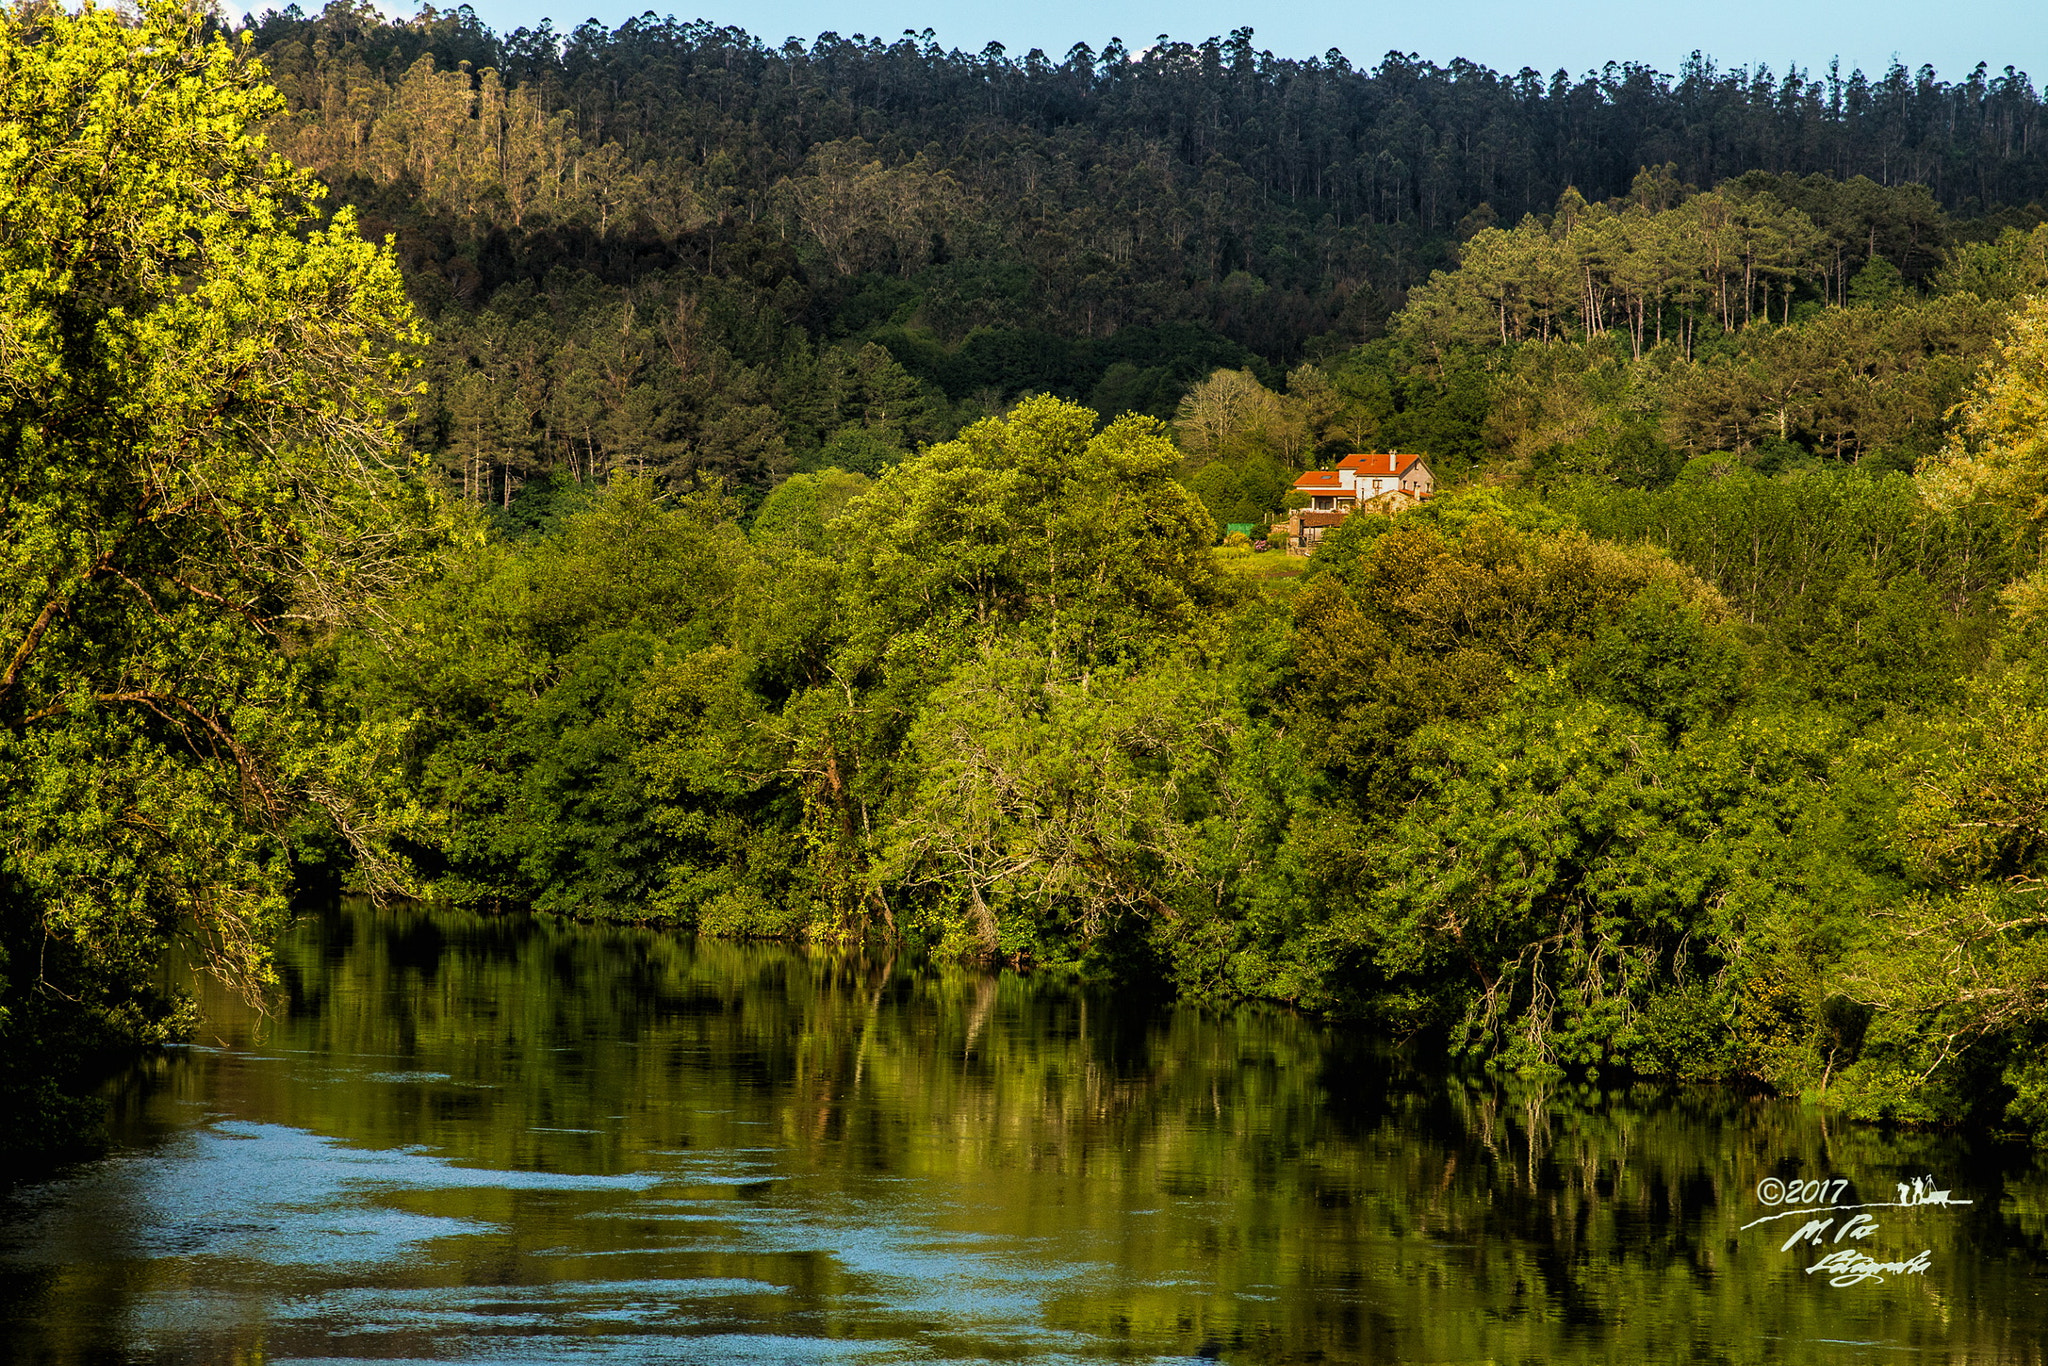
[(676, 248)]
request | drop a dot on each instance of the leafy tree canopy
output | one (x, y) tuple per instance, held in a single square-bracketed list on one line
[(199, 481)]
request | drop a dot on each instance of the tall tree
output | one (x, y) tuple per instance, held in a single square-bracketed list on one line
[(199, 479)]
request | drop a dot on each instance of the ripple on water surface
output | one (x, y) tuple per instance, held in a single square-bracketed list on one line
[(512, 1140)]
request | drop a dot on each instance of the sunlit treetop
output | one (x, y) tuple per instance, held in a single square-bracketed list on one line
[(200, 477)]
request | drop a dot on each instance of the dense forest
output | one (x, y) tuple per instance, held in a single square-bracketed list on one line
[(777, 491), (674, 249)]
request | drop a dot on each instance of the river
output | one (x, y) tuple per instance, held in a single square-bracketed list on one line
[(509, 1139)]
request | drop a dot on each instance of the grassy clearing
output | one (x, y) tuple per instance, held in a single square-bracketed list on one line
[(1258, 564)]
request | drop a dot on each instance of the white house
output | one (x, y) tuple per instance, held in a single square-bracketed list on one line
[(1335, 494)]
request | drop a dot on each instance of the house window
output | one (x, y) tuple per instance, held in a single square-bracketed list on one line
[(1325, 504)]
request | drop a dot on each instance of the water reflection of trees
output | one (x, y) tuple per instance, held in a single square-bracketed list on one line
[(1309, 1191)]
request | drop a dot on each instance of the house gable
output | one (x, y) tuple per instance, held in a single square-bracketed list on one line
[(1364, 475)]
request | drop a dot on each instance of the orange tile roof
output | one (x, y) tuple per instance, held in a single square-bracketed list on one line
[(1320, 481), (1322, 518), (1381, 464)]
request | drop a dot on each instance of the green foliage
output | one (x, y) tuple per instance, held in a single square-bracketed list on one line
[(199, 485), (1667, 262), (1867, 599), (673, 379), (1955, 980), (653, 714), (1998, 453), (1078, 541), (1399, 398), (1593, 760), (1869, 384), (1049, 811), (1429, 624), (796, 514), (1575, 887), (2007, 269), (1610, 785), (522, 668), (1879, 283), (673, 250), (1771, 319), (1667, 659)]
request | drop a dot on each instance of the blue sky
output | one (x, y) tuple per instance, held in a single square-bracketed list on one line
[(1504, 34)]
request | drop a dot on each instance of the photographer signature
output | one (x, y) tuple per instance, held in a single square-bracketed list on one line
[(1848, 1266)]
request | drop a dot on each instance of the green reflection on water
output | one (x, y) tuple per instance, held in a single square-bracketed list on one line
[(513, 1139)]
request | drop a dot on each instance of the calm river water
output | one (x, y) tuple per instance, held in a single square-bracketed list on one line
[(513, 1140)]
